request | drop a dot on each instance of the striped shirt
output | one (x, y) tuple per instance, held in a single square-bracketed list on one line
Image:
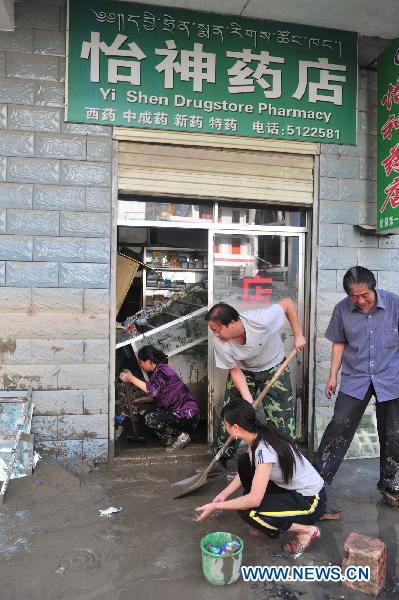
[(371, 341)]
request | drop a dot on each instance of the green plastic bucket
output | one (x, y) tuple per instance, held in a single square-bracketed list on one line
[(221, 570)]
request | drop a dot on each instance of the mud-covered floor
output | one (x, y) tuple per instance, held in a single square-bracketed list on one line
[(54, 545)]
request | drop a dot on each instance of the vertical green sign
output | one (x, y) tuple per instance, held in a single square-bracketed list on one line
[(160, 68), (388, 139)]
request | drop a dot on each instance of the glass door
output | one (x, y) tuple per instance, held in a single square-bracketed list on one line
[(254, 269)]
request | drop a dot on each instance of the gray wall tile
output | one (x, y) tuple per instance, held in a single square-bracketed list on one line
[(96, 301), (34, 118), (356, 190), (99, 149), (327, 280), (58, 403), (95, 450), (32, 222), (49, 94), (86, 129), (95, 402), (96, 351), (339, 212), (57, 197), (348, 236), (378, 258), (368, 168), (15, 247), (17, 91), (341, 167), (28, 66), (84, 275), (61, 69), (82, 427), (328, 235), (20, 40), (32, 274), (86, 173), (98, 199), (33, 170), (389, 280), (328, 189), (44, 428), (83, 377), (56, 300), (98, 250), (337, 258), (16, 195), (17, 299), (3, 116), (3, 220), (60, 146), (55, 351), (2, 273), (33, 14), (49, 42), (18, 353), (59, 249), (16, 144), (3, 168), (85, 224)]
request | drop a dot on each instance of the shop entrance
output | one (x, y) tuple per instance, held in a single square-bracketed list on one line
[(185, 257)]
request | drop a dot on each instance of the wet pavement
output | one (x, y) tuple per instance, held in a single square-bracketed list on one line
[(54, 545)]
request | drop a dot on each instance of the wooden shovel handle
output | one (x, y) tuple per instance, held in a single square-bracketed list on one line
[(257, 402)]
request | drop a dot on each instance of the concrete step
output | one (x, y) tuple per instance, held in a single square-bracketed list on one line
[(155, 456)]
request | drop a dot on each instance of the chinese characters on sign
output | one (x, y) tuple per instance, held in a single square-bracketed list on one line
[(147, 67), (257, 289), (388, 139)]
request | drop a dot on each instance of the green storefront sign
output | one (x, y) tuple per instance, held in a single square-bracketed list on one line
[(388, 139), (159, 68)]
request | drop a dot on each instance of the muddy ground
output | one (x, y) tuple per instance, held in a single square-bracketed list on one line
[(54, 545)]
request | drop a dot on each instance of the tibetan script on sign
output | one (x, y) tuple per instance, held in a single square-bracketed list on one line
[(170, 69)]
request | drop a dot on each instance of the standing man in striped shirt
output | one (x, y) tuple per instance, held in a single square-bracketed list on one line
[(364, 332)]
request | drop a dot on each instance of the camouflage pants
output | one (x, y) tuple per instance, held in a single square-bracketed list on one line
[(278, 405)]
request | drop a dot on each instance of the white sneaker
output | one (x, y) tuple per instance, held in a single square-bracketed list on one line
[(181, 441)]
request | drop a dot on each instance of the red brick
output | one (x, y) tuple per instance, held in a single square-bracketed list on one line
[(360, 551)]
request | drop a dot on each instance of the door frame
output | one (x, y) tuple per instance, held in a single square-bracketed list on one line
[(267, 230)]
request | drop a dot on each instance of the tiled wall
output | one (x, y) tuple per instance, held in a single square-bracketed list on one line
[(55, 221), (347, 198)]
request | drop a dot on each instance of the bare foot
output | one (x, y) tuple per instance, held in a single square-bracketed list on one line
[(304, 538), (303, 541)]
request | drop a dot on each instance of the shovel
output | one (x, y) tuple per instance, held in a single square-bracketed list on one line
[(188, 485)]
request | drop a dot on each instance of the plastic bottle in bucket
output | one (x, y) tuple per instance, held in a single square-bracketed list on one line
[(220, 563)]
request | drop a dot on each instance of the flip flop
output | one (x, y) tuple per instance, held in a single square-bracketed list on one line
[(294, 547)]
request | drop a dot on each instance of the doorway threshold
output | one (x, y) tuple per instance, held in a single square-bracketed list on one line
[(158, 455)]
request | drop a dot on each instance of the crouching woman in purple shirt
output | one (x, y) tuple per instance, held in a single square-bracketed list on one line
[(174, 412)]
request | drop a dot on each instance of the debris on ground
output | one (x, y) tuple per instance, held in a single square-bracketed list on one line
[(108, 512)]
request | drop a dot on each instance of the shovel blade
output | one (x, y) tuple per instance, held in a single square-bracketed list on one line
[(188, 485)]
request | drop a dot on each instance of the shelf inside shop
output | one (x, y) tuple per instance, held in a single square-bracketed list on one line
[(164, 287), (160, 268)]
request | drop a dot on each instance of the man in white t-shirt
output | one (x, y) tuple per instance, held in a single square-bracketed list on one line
[(250, 346)]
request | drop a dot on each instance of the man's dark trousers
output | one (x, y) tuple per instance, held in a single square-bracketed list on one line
[(339, 433)]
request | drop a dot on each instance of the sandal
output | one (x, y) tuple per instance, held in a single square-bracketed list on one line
[(294, 547)]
